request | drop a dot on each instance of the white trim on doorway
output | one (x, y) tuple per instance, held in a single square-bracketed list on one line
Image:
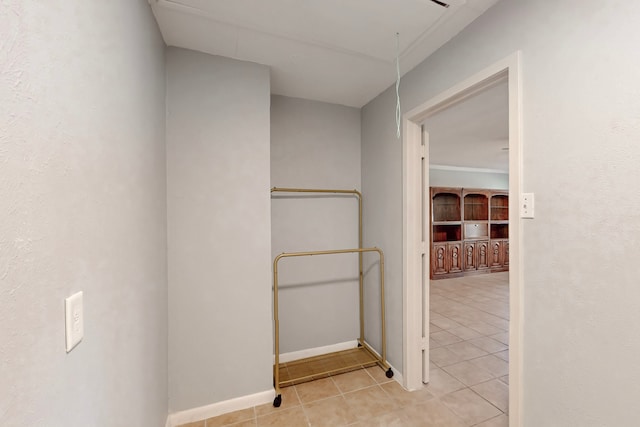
[(416, 257)]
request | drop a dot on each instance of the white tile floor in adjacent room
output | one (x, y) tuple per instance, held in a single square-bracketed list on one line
[(469, 373)]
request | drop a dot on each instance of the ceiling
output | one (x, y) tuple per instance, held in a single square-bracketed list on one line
[(344, 52), (337, 51), (473, 133)]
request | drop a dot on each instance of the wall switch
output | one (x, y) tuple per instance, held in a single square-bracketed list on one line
[(74, 320), (526, 205)]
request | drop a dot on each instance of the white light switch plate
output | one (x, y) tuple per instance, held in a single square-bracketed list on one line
[(526, 205), (74, 320)]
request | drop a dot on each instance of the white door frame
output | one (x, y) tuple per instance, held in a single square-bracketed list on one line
[(416, 257)]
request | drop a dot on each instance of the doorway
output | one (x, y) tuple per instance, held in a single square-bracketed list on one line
[(416, 253)]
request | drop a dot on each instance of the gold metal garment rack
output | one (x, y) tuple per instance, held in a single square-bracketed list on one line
[(361, 357)]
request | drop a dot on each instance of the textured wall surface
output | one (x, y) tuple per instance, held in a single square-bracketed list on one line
[(315, 145), (581, 106), (468, 179), (219, 229), (82, 208)]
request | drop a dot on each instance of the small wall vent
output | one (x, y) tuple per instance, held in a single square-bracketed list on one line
[(441, 3)]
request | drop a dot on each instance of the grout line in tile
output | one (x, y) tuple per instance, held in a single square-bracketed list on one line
[(486, 399)]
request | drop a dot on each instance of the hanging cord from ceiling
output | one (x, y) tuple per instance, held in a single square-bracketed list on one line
[(398, 111)]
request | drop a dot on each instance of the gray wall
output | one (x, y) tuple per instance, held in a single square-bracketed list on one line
[(82, 172), (468, 179), (382, 183), (581, 127), (315, 145), (219, 229)]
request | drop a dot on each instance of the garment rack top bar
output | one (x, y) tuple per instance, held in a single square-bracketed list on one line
[(330, 252), (314, 190)]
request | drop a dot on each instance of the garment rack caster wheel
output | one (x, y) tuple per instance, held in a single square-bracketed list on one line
[(389, 374), (277, 401)]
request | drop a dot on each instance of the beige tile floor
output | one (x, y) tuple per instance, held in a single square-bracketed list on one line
[(468, 382)]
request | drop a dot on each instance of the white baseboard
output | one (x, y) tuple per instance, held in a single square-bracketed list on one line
[(244, 402), (397, 375), (219, 408), (316, 351)]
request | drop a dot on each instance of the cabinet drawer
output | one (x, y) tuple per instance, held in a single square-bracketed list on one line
[(476, 230)]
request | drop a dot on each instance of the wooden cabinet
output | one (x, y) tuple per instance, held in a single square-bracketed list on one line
[(446, 259), (445, 206), (446, 232), (454, 255), (469, 231), (476, 205), (499, 255), (439, 259), (476, 255), (499, 207), (505, 251)]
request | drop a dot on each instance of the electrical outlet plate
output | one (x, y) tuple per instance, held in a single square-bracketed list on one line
[(526, 205), (74, 320)]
